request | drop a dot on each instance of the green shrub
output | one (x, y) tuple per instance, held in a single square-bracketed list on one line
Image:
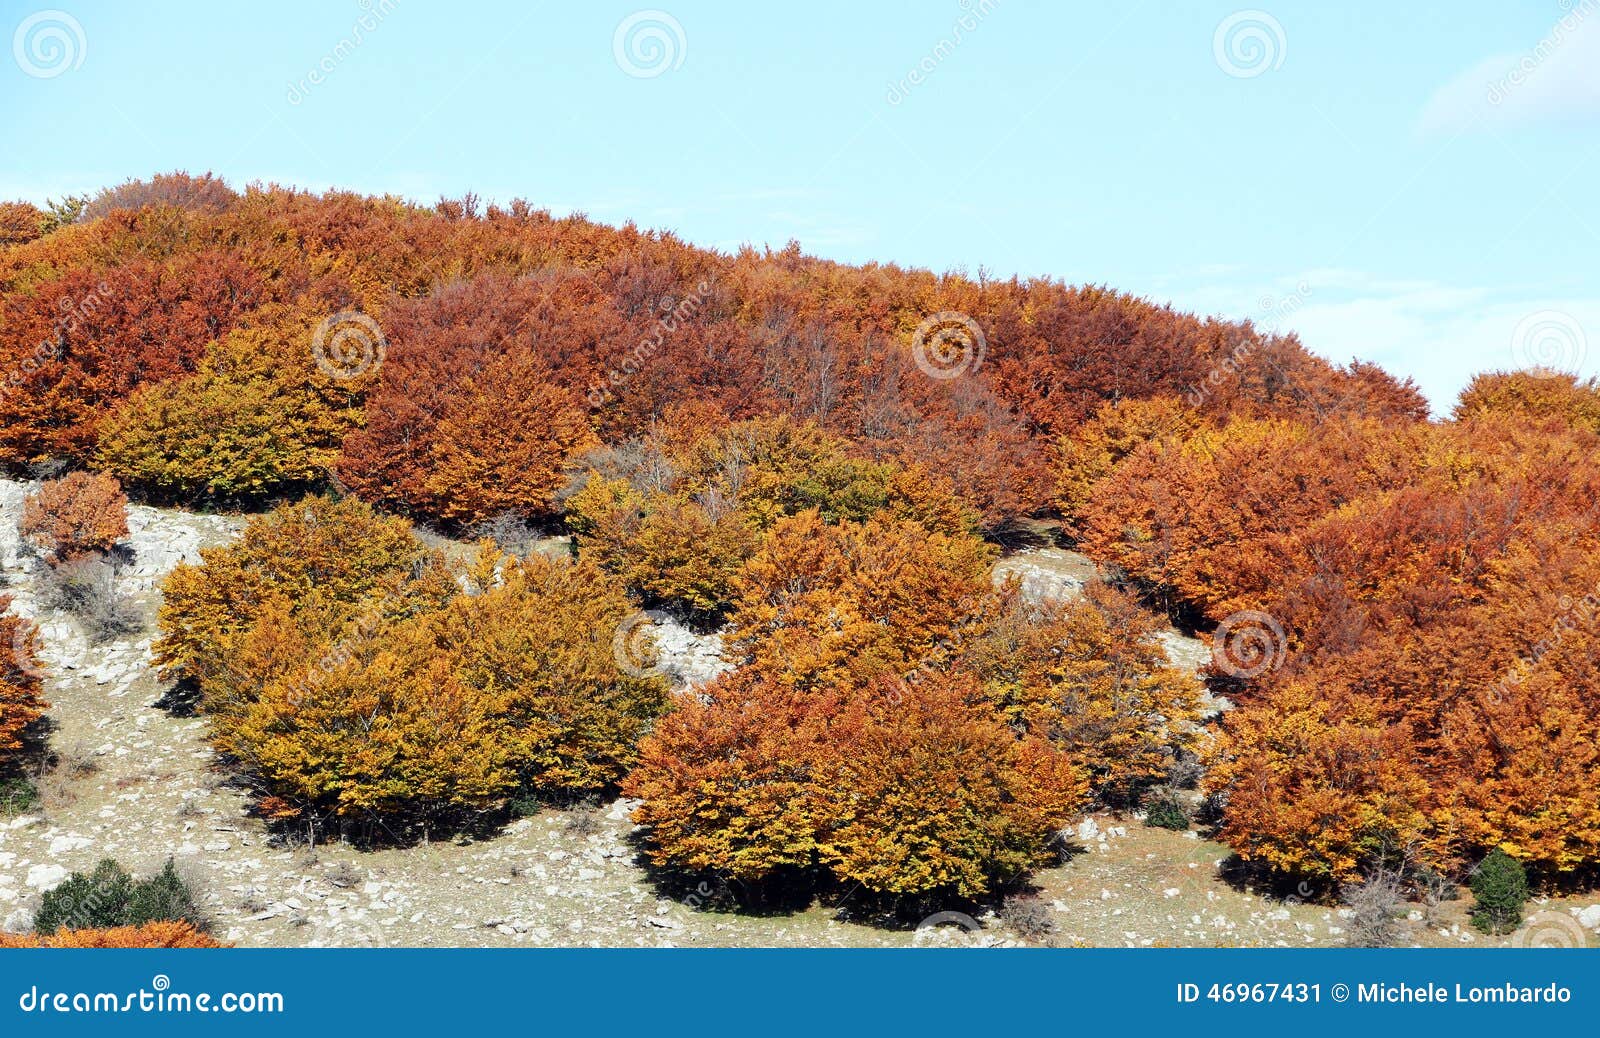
[(164, 897), (17, 796), (1164, 812), (98, 900), (109, 897), (1500, 885)]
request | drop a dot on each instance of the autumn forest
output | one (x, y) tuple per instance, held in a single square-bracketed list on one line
[(469, 446)]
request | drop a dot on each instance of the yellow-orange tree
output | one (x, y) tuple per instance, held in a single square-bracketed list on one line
[(1092, 679), (725, 781), (1317, 788), (924, 789), (259, 418), (353, 676), (149, 935), (20, 704), (690, 515), (824, 604), (515, 688), (320, 553), (1089, 452), (905, 788)]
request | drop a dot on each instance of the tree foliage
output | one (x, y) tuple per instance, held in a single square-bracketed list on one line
[(78, 515), (257, 419), (149, 935), (20, 702), (355, 675)]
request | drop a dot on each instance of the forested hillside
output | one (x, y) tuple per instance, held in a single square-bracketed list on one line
[(822, 463)]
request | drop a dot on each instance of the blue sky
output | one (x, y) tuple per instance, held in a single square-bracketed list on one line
[(1413, 184)]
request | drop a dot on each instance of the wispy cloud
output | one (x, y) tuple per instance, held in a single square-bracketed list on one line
[(1438, 334), (1556, 79)]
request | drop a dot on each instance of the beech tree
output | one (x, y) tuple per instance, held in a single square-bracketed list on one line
[(924, 789), (20, 703), (77, 515), (257, 419)]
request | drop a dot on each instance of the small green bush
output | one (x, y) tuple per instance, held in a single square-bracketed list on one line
[(164, 897), (109, 897), (1500, 885), (17, 796), (98, 900), (1165, 812)]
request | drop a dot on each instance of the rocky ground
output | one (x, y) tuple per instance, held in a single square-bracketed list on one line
[(139, 784)]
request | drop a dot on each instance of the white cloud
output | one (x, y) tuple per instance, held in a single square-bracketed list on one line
[(1440, 335), (1556, 79)]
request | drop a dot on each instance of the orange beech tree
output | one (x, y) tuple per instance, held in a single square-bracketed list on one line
[(20, 704), (1092, 679), (77, 515), (149, 935), (76, 344), (925, 789), (905, 788), (677, 521), (725, 781), (474, 413), (821, 604), (1431, 584)]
